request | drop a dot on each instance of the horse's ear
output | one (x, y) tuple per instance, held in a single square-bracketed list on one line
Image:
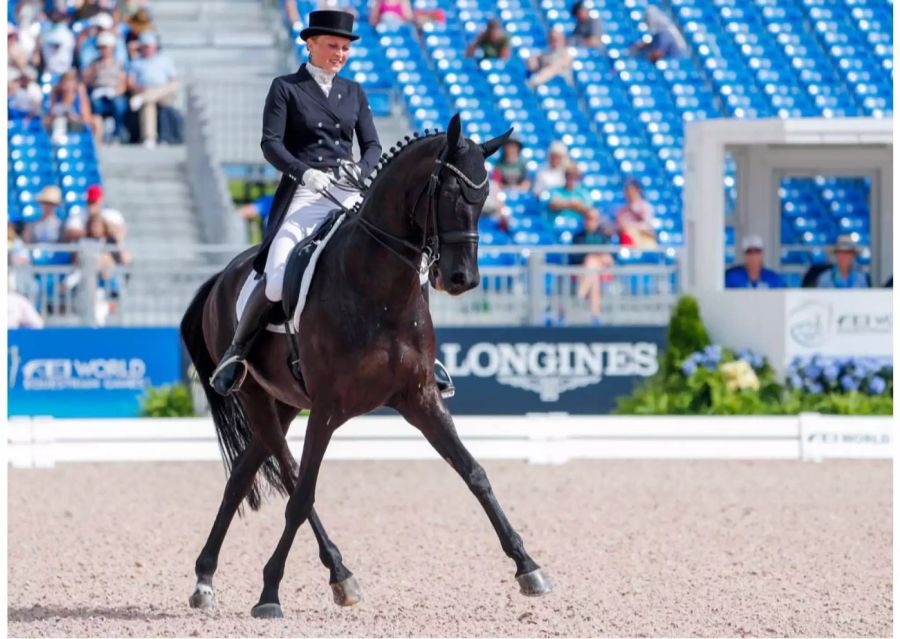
[(455, 139), (490, 147)]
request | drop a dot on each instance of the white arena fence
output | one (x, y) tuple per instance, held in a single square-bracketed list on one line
[(522, 285), (538, 438)]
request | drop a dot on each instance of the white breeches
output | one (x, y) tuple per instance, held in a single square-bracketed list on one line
[(305, 212)]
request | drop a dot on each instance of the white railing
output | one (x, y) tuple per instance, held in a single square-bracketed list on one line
[(536, 286), (540, 285), (539, 438)]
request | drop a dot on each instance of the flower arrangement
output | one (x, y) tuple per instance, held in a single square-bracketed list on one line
[(819, 374), (697, 377)]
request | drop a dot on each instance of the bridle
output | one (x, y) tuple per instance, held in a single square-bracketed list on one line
[(428, 251)]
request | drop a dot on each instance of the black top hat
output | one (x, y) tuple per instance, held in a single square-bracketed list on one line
[(325, 22)]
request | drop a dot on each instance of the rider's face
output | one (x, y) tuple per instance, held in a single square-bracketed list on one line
[(328, 52)]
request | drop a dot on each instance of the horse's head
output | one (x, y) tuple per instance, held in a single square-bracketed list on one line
[(460, 188)]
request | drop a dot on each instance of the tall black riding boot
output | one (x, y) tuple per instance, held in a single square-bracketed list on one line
[(231, 371), (441, 375)]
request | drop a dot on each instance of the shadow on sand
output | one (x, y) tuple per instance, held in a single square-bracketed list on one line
[(39, 613)]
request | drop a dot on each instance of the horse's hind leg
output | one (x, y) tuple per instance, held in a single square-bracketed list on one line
[(299, 508), (344, 587), (428, 414), (236, 489)]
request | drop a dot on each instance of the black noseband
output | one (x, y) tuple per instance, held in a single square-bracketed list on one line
[(458, 237)]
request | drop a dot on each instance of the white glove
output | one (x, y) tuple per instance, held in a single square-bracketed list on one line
[(317, 180)]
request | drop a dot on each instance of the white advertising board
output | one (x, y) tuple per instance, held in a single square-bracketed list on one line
[(837, 323)]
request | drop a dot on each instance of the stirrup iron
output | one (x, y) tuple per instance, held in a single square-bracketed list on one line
[(234, 359)]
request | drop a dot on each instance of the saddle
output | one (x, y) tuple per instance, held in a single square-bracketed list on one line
[(299, 271), (301, 264)]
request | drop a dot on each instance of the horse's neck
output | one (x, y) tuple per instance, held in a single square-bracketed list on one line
[(374, 271), (377, 276), (390, 203)]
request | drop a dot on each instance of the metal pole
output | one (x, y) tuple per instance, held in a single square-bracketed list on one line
[(537, 305), (88, 259)]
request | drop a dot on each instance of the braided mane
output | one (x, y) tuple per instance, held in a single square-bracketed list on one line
[(388, 157)]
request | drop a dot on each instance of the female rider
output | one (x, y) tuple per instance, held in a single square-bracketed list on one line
[(308, 124)]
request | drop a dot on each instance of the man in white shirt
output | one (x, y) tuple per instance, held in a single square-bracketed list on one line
[(552, 174), (152, 81)]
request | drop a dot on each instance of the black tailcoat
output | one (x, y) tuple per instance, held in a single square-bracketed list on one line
[(303, 129)]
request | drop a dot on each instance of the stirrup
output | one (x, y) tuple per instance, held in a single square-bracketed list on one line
[(443, 380), (225, 363)]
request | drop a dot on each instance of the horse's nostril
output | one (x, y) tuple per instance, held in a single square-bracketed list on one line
[(458, 278)]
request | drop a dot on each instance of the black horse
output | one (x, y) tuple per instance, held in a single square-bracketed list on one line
[(366, 341)]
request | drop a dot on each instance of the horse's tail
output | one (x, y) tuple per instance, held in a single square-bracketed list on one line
[(232, 427)]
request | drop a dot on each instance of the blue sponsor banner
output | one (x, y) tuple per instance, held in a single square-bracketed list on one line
[(89, 372), (518, 370)]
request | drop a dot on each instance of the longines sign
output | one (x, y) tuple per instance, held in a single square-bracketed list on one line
[(521, 370)]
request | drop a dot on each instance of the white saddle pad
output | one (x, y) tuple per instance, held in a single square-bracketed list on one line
[(305, 283)]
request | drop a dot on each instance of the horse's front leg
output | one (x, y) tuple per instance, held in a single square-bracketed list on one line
[(321, 426), (428, 413)]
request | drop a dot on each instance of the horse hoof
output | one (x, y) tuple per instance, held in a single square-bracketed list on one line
[(347, 592), (534, 584), (266, 611), (203, 598)]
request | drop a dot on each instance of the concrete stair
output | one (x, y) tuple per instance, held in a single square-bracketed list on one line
[(150, 188), (220, 37)]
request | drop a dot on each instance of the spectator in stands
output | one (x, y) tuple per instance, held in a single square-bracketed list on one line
[(19, 56), (258, 209), (555, 61), (140, 22), (391, 12), (492, 43), (752, 273), (634, 219), (57, 45), (70, 108), (48, 228), (115, 221), (494, 206), (101, 25), (16, 252), (88, 9), (129, 8), (588, 31), (106, 81), (552, 174), (511, 172), (28, 16), (153, 83), (20, 312), (74, 228), (664, 41), (25, 95), (844, 273), (574, 200)]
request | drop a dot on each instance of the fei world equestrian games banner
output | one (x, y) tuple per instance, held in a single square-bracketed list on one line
[(518, 370), (104, 372), (89, 372)]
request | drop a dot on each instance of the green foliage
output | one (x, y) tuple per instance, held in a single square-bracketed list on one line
[(686, 335), (168, 401), (683, 387), (854, 403)]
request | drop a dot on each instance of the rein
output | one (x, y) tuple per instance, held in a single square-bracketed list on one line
[(429, 250)]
